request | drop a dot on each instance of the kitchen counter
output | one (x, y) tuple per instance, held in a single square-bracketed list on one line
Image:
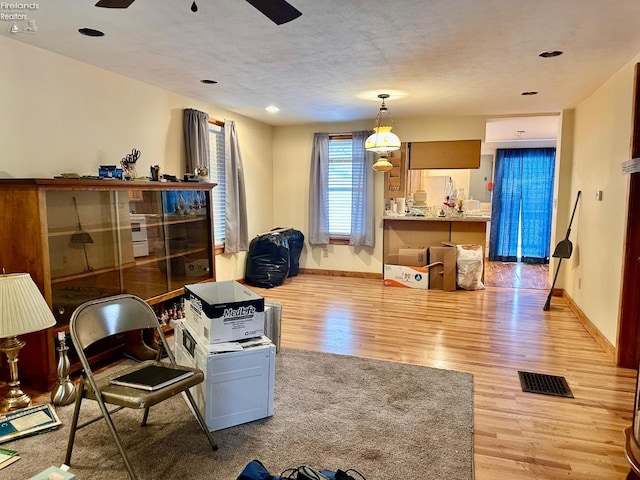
[(400, 231), (453, 218)]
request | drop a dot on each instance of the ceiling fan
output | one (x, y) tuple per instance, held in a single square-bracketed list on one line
[(278, 11)]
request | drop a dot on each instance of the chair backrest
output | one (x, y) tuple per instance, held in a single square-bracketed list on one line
[(100, 318)]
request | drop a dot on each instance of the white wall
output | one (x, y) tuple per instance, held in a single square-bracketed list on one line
[(59, 115), (292, 157), (603, 124)]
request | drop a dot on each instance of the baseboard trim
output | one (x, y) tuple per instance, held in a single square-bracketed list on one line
[(590, 327), (333, 273), (341, 273)]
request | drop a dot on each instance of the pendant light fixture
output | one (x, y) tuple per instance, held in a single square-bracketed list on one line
[(382, 140), (383, 164)]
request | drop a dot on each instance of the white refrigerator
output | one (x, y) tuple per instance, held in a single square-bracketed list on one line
[(238, 386), (437, 188)]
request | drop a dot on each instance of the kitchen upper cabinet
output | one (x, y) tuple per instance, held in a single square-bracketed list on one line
[(395, 180), (444, 154)]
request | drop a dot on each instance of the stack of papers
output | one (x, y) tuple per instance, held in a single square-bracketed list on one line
[(7, 457), (236, 346)]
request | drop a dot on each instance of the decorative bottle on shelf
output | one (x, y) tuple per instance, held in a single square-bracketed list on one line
[(64, 392)]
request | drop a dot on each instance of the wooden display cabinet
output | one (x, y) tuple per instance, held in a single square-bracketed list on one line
[(85, 239)]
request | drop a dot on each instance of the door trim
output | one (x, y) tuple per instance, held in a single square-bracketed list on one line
[(628, 344)]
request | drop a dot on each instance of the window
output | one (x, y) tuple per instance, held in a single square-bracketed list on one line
[(341, 197), (340, 185), (217, 175)]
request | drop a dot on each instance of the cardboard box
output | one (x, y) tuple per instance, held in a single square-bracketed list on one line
[(405, 276), (443, 277), (412, 256), (223, 311)]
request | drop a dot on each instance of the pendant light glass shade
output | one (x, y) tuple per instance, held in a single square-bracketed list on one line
[(382, 140), (382, 165)]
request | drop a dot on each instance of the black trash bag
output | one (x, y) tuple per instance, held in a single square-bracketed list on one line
[(267, 261), (295, 239)]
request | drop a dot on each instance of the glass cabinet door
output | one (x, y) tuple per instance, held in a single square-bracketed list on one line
[(145, 242), (84, 248), (172, 241)]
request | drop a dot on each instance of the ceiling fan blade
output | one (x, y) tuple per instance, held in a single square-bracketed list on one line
[(278, 11), (114, 3)]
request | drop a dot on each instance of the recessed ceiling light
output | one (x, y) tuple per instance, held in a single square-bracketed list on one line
[(272, 109), (208, 82), (551, 53), (91, 32), (529, 93)]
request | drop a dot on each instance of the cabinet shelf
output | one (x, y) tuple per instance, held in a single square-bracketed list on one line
[(150, 259), (153, 261)]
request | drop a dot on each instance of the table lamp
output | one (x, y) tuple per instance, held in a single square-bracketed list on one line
[(23, 310)]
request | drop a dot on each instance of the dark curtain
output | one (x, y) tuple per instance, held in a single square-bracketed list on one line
[(522, 205), (363, 219), (195, 126), (319, 190)]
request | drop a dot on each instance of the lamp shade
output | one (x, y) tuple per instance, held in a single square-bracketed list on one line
[(382, 140), (23, 309), (382, 165)]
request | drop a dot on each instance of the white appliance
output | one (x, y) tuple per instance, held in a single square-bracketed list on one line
[(437, 188), (139, 235), (238, 386)]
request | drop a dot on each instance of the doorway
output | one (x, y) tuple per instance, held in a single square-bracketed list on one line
[(522, 205), (517, 133)]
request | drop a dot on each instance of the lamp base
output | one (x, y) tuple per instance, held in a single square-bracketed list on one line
[(16, 398)]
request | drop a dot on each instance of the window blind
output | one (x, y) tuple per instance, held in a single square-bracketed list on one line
[(217, 175), (340, 181)]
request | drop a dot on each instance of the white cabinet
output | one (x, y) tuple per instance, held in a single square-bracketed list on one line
[(238, 386)]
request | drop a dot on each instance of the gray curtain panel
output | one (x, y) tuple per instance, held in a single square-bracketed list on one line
[(319, 191), (236, 230), (362, 194), (196, 138)]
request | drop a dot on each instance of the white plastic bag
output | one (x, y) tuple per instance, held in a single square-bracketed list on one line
[(470, 266)]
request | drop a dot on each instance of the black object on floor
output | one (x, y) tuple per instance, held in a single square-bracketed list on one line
[(563, 250), (544, 384)]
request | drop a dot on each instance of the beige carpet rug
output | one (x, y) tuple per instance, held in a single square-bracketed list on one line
[(387, 420)]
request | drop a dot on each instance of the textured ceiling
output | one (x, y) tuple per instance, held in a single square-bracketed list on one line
[(436, 57)]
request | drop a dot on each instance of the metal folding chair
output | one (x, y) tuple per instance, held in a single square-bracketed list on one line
[(101, 318)]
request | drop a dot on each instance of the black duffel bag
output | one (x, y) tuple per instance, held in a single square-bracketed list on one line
[(255, 470)]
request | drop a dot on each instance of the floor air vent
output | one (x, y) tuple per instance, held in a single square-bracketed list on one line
[(545, 384)]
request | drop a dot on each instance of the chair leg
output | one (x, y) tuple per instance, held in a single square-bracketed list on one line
[(74, 421), (145, 416), (201, 420), (116, 438)]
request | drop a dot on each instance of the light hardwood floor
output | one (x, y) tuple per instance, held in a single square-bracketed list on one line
[(492, 334), (516, 275)]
